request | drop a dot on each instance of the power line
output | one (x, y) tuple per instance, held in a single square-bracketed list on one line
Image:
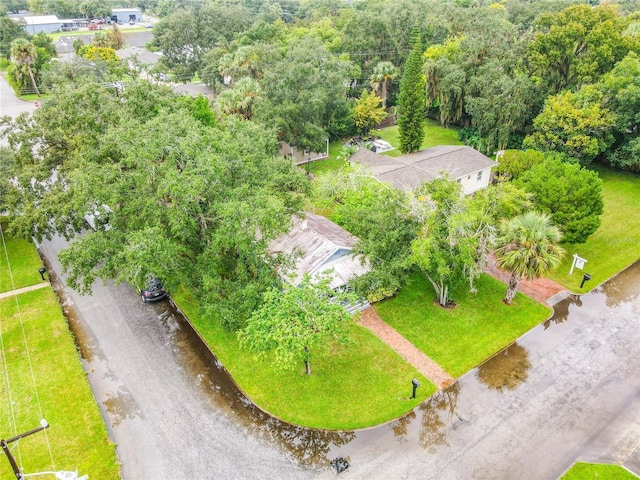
[(5, 368), (26, 344)]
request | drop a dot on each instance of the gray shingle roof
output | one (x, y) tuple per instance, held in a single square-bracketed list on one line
[(411, 170), (320, 245)]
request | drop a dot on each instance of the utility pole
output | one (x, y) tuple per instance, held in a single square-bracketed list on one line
[(5, 446)]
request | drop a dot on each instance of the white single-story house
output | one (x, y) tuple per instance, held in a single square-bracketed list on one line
[(125, 15), (319, 245), (463, 164), (33, 24)]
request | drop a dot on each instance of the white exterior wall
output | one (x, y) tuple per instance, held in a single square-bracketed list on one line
[(471, 184), (45, 28), (32, 27)]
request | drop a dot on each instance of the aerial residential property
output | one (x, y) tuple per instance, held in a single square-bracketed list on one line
[(463, 164)]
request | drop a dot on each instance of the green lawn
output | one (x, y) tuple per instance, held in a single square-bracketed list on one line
[(590, 471), (34, 97), (616, 244), (56, 36), (459, 339), (350, 387), (331, 163), (77, 434), (23, 264), (435, 134)]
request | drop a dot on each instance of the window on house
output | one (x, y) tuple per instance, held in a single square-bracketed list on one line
[(480, 175), (459, 180)]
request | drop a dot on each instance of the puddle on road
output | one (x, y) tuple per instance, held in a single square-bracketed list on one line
[(506, 369), (122, 406), (426, 425), (85, 343)]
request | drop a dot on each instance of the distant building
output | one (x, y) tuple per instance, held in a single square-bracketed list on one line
[(463, 164), (126, 15), (73, 24), (33, 24)]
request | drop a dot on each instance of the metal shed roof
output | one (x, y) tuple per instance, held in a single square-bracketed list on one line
[(39, 19)]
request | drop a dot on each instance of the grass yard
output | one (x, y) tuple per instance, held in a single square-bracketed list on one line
[(77, 434), (353, 387), (434, 134), (616, 244), (589, 471), (329, 164), (76, 33), (461, 338), (24, 261)]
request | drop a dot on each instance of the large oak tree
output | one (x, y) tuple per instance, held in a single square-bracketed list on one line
[(191, 202)]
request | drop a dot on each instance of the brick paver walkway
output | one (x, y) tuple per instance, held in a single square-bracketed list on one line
[(430, 369), (543, 290), (18, 291)]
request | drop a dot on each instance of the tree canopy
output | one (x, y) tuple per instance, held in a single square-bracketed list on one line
[(575, 124), (502, 71), (569, 193), (453, 240), (577, 45), (528, 248), (302, 93), (411, 101), (368, 111), (292, 322), (189, 201)]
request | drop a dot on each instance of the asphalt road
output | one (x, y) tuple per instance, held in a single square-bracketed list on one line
[(572, 393), (154, 394), (10, 104)]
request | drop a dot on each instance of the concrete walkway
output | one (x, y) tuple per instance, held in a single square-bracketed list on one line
[(430, 369), (18, 291)]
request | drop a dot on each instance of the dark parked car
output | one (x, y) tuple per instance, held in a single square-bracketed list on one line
[(154, 291)]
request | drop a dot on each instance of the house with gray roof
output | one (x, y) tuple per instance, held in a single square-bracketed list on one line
[(463, 164), (318, 245)]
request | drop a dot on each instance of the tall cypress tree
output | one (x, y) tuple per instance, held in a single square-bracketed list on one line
[(412, 99)]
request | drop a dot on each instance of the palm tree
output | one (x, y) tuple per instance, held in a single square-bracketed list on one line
[(528, 248), (240, 98), (24, 54), (383, 73)]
